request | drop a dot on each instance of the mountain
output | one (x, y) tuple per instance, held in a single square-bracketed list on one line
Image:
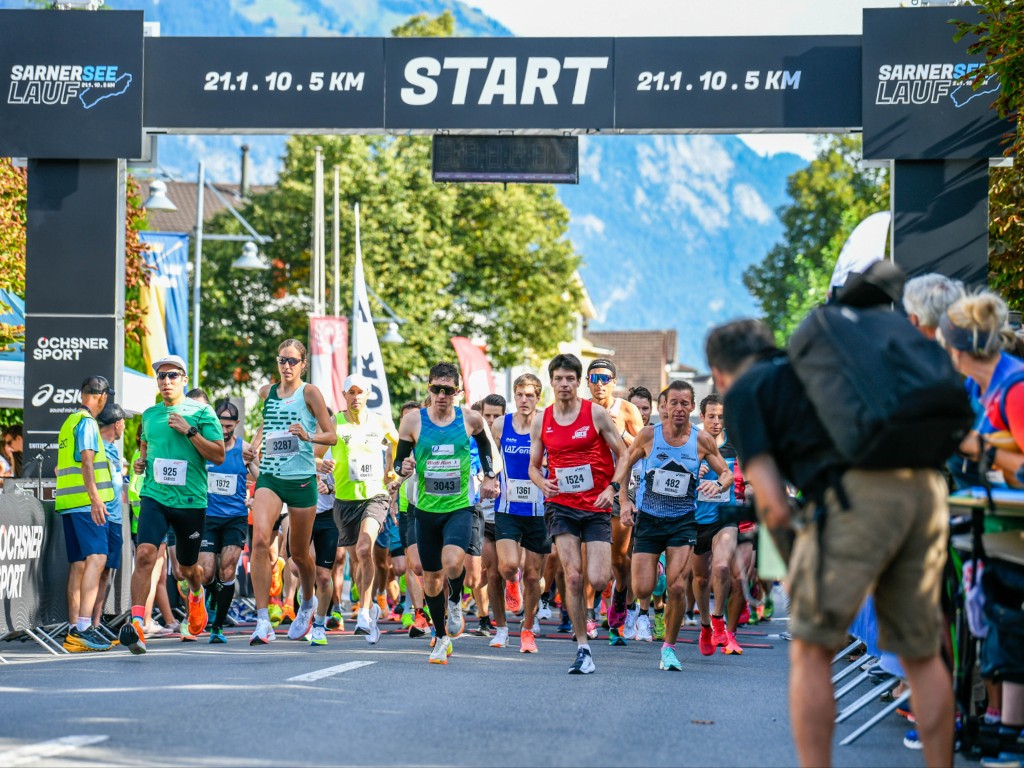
[(666, 224)]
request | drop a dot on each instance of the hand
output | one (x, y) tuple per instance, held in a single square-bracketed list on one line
[(702, 471), (605, 499), (98, 510), (322, 488), (249, 454), (408, 466), (971, 446), (489, 488), (300, 432), (177, 423), (139, 467), (327, 465), (709, 488), (549, 487), (393, 487), (627, 511)]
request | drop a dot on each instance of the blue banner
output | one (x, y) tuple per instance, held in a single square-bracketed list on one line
[(165, 302)]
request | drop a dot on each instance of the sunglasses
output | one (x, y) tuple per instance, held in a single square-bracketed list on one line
[(292, 361), (172, 375), (599, 378), (442, 389)]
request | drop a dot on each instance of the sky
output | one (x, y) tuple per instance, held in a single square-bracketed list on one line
[(647, 18)]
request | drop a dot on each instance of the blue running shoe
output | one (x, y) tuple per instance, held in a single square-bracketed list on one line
[(217, 636), (566, 625)]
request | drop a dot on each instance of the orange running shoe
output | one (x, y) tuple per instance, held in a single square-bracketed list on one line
[(732, 647), (197, 615), (288, 614), (277, 577), (719, 635), (527, 642), (513, 597), (382, 601), (707, 647)]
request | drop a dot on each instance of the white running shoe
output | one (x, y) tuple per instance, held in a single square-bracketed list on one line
[(456, 623), (155, 629), (544, 611), (629, 630), (363, 621), (264, 633), (303, 622), (442, 650), (374, 636), (584, 663), (500, 639), (643, 628)]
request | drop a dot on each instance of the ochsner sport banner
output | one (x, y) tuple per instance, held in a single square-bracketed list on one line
[(328, 342), (366, 358), (477, 376)]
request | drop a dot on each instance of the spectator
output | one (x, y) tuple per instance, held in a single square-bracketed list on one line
[(111, 423), (927, 297)]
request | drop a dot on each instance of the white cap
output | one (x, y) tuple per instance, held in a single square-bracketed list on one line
[(170, 360), (357, 380)]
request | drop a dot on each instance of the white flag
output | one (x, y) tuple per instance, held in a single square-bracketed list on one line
[(366, 359)]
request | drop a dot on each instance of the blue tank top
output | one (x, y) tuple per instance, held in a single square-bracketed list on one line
[(519, 496), (708, 509), (226, 485), (668, 477), (284, 455)]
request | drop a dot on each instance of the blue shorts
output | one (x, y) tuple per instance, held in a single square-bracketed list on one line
[(83, 537), (115, 541)]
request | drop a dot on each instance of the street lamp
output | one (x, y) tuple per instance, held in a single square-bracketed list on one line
[(158, 199), (250, 258), (392, 336)]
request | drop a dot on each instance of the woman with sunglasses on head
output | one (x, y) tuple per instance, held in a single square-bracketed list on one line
[(295, 418)]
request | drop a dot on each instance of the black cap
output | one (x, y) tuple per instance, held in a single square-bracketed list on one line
[(97, 385), (602, 362), (111, 414)]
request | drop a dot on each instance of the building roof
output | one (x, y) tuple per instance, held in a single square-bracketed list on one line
[(183, 195), (640, 357)]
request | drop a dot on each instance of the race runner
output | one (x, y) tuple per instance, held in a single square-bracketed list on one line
[(490, 591), (440, 435), (586, 467)]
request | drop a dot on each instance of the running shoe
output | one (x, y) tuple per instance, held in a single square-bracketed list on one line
[(318, 637), (374, 636), (408, 617), (197, 615), (275, 613), (382, 603), (913, 740), (732, 647), (513, 596), (592, 629), (183, 588), (584, 664), (303, 622), (643, 628), (441, 652), (500, 639), (336, 621), (544, 611), (363, 622), (456, 623), (745, 613), (132, 636), (277, 577), (287, 614), (155, 629), (690, 620), (707, 647), (629, 628), (769, 606), (718, 632), (669, 661), (420, 625), (659, 625), (616, 615), (484, 629), (566, 625), (615, 638), (527, 642), (85, 641), (217, 636), (264, 633)]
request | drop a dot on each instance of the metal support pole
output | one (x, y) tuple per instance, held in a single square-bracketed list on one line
[(353, 330), (876, 719), (867, 698), (42, 642), (337, 247), (197, 275)]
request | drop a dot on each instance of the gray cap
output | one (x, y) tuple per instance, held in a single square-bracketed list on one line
[(174, 360)]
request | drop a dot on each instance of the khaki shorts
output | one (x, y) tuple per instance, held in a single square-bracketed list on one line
[(892, 542)]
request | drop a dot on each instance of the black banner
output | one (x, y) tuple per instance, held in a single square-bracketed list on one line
[(71, 84), (24, 575), (285, 85), (737, 83), (917, 103)]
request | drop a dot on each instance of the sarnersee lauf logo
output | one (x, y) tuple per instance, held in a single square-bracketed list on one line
[(59, 84), (930, 83)]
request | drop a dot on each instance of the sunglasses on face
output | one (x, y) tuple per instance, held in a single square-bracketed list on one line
[(172, 375), (442, 389), (599, 378), (292, 361)]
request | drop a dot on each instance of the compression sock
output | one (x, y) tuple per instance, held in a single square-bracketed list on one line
[(437, 608), (224, 597), (668, 645), (455, 586), (139, 612)]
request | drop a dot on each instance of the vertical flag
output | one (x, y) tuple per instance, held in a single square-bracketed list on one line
[(328, 342), (477, 376), (164, 301), (366, 358)]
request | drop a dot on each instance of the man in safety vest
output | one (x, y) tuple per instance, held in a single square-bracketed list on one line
[(84, 486)]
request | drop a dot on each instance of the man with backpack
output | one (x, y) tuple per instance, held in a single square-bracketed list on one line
[(880, 529)]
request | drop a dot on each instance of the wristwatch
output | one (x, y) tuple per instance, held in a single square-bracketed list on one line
[(490, 475), (616, 487), (192, 432)]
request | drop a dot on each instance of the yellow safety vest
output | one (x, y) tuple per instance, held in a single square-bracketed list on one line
[(71, 491)]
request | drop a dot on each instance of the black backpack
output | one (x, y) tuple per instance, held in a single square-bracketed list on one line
[(887, 396)]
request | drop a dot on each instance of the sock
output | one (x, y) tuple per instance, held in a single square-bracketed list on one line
[(658, 611), (83, 623), (584, 647), (668, 645), (320, 621), (196, 592), (305, 605), (455, 586), (261, 613), (138, 612), (225, 595), (719, 617), (619, 599), (336, 608), (705, 626), (437, 608), (545, 596)]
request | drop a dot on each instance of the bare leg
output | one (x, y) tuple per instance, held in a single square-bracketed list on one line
[(812, 708), (931, 696)]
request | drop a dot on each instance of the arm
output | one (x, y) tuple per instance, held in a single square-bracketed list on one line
[(634, 422), (771, 500), (392, 439), (96, 506), (547, 485), (707, 448), (606, 428), (497, 428), (408, 431), (325, 434), (481, 435), (139, 467), (638, 449), (251, 461)]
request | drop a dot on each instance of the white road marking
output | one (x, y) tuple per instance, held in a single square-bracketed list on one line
[(319, 674), (30, 753)]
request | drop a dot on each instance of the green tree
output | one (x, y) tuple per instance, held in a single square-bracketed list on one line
[(830, 197)]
